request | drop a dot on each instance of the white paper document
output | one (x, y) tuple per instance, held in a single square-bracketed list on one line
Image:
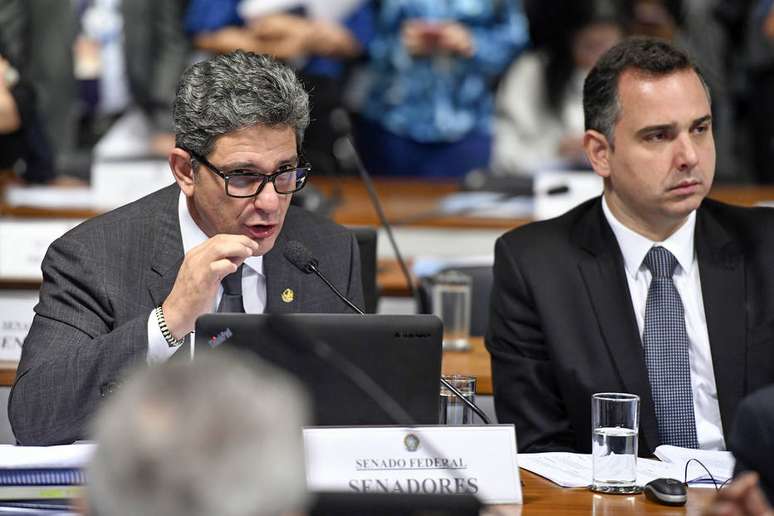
[(64, 456), (719, 463), (486, 205), (575, 469)]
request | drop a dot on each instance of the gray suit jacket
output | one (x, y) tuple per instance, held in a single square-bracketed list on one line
[(102, 280)]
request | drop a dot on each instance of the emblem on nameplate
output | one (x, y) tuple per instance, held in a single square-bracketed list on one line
[(288, 295), (411, 441)]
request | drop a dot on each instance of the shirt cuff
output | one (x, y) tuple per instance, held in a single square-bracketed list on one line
[(158, 349)]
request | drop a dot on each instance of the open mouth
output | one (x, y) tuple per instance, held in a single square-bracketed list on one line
[(259, 231)]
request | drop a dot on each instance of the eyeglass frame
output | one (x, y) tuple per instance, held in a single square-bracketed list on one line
[(265, 178)]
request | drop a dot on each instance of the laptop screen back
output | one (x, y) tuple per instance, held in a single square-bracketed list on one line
[(400, 353)]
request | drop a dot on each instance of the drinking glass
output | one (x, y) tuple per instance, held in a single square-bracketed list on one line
[(615, 420), (451, 303), (452, 410)]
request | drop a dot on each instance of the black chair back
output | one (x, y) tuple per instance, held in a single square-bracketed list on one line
[(366, 241)]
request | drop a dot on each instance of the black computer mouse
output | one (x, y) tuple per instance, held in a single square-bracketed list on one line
[(667, 491)]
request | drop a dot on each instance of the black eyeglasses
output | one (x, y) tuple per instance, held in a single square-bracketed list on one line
[(243, 183)]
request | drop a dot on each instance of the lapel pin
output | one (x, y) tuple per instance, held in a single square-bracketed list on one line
[(288, 295)]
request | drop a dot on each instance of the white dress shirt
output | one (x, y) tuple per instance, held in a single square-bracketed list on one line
[(634, 247), (253, 285)]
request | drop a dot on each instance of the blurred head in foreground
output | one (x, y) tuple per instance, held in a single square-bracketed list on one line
[(220, 435)]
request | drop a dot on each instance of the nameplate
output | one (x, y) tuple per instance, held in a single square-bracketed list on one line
[(468, 459), (15, 319), (23, 244)]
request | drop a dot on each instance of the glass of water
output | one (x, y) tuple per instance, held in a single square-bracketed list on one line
[(451, 303), (615, 422), (452, 410)]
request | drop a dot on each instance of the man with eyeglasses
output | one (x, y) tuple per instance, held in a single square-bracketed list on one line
[(127, 287)]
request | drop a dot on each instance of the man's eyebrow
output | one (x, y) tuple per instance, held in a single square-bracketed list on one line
[(251, 166), (672, 126), (656, 128), (699, 121)]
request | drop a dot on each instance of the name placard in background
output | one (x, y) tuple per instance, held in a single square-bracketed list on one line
[(23, 244), (15, 319), (479, 460)]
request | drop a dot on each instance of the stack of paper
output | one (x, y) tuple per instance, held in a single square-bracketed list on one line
[(34, 478), (719, 463), (65, 456), (575, 469)]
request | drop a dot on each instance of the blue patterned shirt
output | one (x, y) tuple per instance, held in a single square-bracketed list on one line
[(441, 98)]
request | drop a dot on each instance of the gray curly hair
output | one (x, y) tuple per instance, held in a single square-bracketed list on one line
[(236, 90)]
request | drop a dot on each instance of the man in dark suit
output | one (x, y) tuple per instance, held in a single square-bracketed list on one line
[(650, 289), (127, 287)]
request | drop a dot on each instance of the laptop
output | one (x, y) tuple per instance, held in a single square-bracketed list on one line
[(330, 352)]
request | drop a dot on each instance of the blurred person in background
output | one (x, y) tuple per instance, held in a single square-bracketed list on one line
[(219, 435), (760, 73), (25, 153), (701, 31), (656, 18), (91, 61), (433, 67), (319, 38), (539, 108)]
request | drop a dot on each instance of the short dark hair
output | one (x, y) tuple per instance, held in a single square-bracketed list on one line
[(235, 90), (648, 56)]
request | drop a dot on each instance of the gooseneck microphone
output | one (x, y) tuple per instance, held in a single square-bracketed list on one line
[(297, 254)]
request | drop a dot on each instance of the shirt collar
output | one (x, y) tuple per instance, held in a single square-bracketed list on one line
[(193, 235), (634, 246)]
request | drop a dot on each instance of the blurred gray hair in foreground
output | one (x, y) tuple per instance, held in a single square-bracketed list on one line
[(219, 435)]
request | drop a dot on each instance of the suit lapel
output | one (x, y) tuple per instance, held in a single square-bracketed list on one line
[(722, 272), (604, 276), (167, 250)]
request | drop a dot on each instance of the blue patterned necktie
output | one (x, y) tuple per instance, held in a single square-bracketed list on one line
[(232, 293), (665, 341)]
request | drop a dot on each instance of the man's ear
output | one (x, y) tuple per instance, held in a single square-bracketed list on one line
[(180, 164), (598, 151)]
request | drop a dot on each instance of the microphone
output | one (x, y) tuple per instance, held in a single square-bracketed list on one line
[(297, 254)]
